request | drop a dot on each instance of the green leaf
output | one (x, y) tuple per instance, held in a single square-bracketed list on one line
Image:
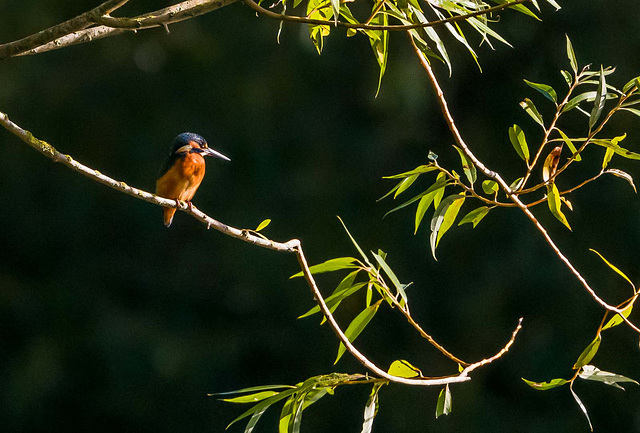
[(335, 5), (443, 407), (484, 30), (418, 170), (475, 216), (490, 187), (519, 142), (543, 386), (423, 205), (437, 188), (252, 389), (571, 55), (331, 265), (567, 77), (553, 199), (608, 154), (617, 319), (614, 268), (601, 97), (586, 96), (253, 421), (589, 372), (404, 184), (545, 89), (402, 368), (320, 10), (467, 166), (570, 145), (632, 110), (357, 325), (365, 258), (582, 406), (532, 111), (251, 398), (264, 404), (387, 270), (262, 225), (371, 408), (342, 292), (632, 83), (588, 353), (613, 145), (287, 415), (443, 219), (440, 192), (379, 40), (515, 184)]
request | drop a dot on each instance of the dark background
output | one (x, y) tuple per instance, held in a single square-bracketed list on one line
[(111, 322)]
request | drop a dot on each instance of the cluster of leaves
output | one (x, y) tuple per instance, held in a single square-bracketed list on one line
[(408, 12), (583, 369), (584, 87)]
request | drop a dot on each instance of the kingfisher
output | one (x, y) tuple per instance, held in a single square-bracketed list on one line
[(183, 170)]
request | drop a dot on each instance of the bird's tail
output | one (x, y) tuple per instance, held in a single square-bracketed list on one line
[(168, 215)]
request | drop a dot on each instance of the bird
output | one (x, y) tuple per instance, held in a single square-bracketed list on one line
[(183, 170)]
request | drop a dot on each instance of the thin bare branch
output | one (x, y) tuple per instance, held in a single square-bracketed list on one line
[(502, 351), (398, 27), (80, 22), (510, 193)]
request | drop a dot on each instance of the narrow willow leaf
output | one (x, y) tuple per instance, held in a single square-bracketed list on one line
[(516, 184), (614, 268), (519, 142), (475, 216), (543, 386), (554, 4), (371, 408), (521, 8), (383, 264), (423, 206), (331, 265), (357, 325), (582, 406), (551, 163), (263, 224), (253, 421), (402, 368), (335, 5), (379, 40), (264, 404), (617, 319), (440, 193), (567, 77), (287, 414), (333, 301), (443, 219), (570, 145), (364, 257), (437, 188), (632, 110), (572, 56), (553, 199), (545, 89), (251, 398), (252, 389), (590, 372), (532, 111), (490, 187), (319, 9), (613, 145), (418, 170), (588, 353), (601, 97), (405, 183), (467, 166), (484, 30), (587, 97), (443, 407), (631, 84)]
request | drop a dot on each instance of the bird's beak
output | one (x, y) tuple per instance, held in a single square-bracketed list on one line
[(210, 152)]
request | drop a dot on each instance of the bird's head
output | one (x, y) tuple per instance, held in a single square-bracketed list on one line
[(188, 142)]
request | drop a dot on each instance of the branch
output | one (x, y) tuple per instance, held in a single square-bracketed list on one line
[(52, 33), (510, 193), (292, 246), (116, 26), (304, 20)]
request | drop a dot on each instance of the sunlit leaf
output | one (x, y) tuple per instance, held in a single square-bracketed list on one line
[(582, 406), (387, 270), (545, 89), (567, 77), (443, 407), (287, 415), (443, 219), (331, 265), (440, 192), (617, 319), (423, 206), (587, 97), (571, 55), (519, 142), (588, 353), (553, 200), (632, 110), (357, 325), (342, 292), (631, 84), (606, 159), (402, 368), (601, 97), (252, 389), (516, 184), (437, 188), (490, 186), (264, 404), (418, 170), (590, 372), (364, 257), (532, 111), (467, 166), (320, 10), (613, 145), (263, 224), (475, 216), (371, 408), (379, 40), (570, 145), (251, 398), (543, 386), (404, 184), (614, 268), (483, 29)]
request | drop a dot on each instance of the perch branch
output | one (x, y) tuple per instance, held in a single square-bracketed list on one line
[(510, 193), (292, 246)]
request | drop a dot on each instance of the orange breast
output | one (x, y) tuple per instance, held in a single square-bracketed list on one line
[(182, 180)]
